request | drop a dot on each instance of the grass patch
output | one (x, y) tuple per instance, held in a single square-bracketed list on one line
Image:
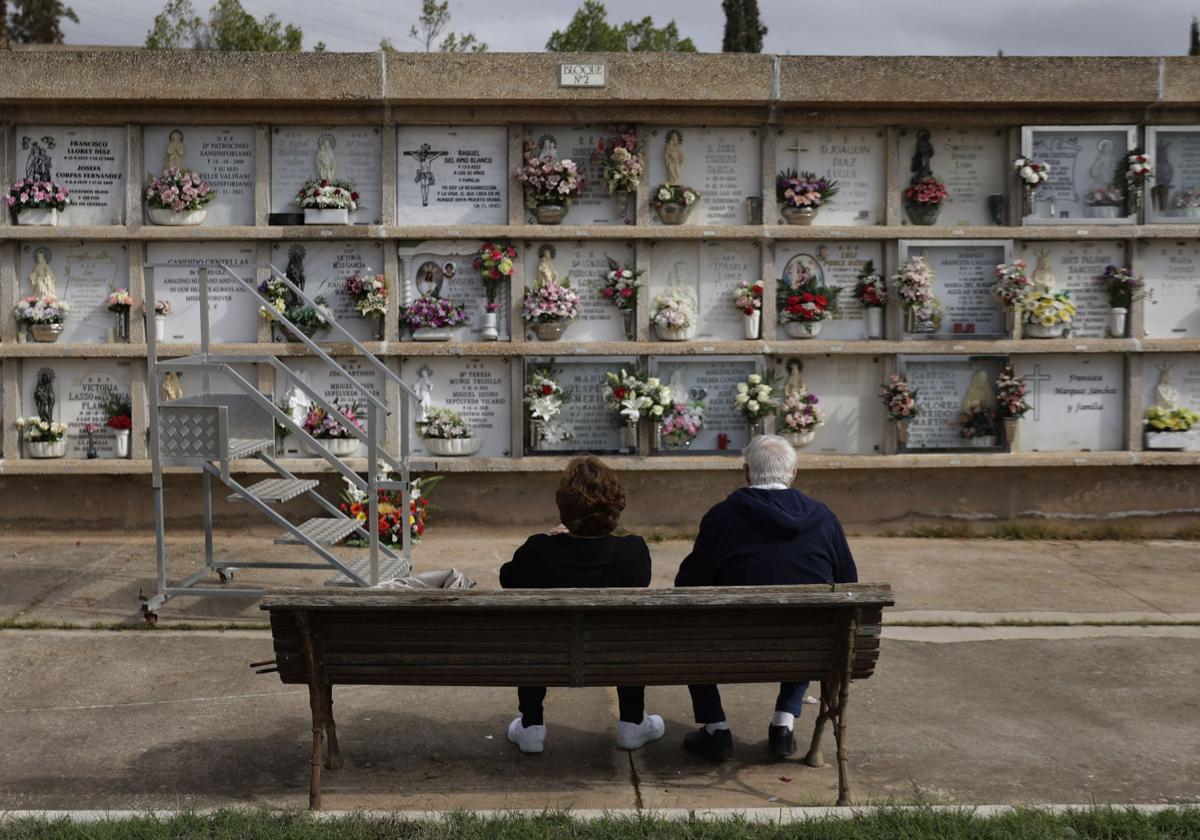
[(912, 824), (1033, 530)]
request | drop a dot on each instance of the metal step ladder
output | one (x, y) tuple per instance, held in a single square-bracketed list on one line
[(209, 431)]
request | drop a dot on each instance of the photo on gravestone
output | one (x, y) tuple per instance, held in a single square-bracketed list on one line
[(335, 389), (563, 408), (578, 143), (356, 153), (450, 175), (1172, 273), (79, 388), (1087, 173), (90, 161), (1174, 197), (711, 382), (585, 265), (847, 390), (232, 311), (1077, 402), (327, 266), (852, 156), (708, 272), (478, 389), (956, 400), (830, 264), (82, 274), (446, 269), (1077, 268), (971, 163), (964, 274), (721, 163), (222, 155)]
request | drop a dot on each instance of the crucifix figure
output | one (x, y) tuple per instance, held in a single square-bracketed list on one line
[(1037, 378), (424, 175)]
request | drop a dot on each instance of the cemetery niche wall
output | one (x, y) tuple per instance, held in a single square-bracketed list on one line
[(436, 178)]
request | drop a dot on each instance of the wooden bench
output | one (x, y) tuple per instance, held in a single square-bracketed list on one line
[(577, 637)]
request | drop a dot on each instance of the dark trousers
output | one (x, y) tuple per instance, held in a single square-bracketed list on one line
[(631, 700), (706, 701)]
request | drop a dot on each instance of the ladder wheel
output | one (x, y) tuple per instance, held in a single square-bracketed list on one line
[(225, 575), (150, 617)]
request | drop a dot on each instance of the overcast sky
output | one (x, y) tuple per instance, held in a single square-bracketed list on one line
[(829, 27)]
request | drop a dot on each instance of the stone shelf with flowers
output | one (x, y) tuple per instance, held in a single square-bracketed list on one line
[(544, 399), (162, 308), (1031, 174), (755, 401), (309, 320), (900, 404), (681, 424), (178, 197), (331, 434), (622, 168), (802, 195), (914, 289), (37, 202), (444, 432), (42, 316), (369, 293), (799, 417), (1013, 289), (118, 409), (326, 201), (432, 318), (43, 438), (633, 396), (620, 286), (1123, 288), (871, 292), (120, 303), (748, 299), (495, 264), (550, 183), (1011, 405), (674, 315)]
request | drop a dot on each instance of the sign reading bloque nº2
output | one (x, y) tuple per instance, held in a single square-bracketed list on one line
[(581, 75)]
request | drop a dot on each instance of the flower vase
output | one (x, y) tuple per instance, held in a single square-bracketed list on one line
[(1102, 211), (160, 327), (121, 332), (902, 432), (550, 330), (431, 334), (1042, 331), (873, 315), (341, 446), (675, 333), (1016, 321), (92, 454), (758, 427), (673, 213), (452, 447), (180, 218), (22, 333), (1133, 200), (752, 324), (629, 323), (802, 329), (621, 197), (46, 332), (551, 214), (491, 331), (922, 213), (981, 442), (996, 207), (1117, 321), (46, 449), (1027, 203), (629, 436), (122, 443), (799, 215), (326, 216), (38, 216), (1011, 429), (799, 440), (1160, 195), (376, 326)]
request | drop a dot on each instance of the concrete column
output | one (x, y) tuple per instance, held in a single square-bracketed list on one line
[(1012, 190), (391, 270), (137, 289), (1135, 256), (516, 396), (1135, 366), (890, 444), (134, 173), (389, 192), (10, 370), (262, 174), (768, 277), (645, 306), (893, 182), (516, 193)]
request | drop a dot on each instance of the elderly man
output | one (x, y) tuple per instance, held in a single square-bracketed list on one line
[(764, 533)]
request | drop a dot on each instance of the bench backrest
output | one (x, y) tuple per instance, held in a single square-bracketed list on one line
[(578, 637)]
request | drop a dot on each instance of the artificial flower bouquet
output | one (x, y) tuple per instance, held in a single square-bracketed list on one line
[(899, 398), (665, 194), (631, 396), (927, 191), (495, 263), (755, 398), (1106, 196), (552, 302), (1049, 310), (119, 301), (1159, 419), (620, 285), (28, 194), (369, 293), (914, 289), (804, 189), (545, 398), (323, 426), (798, 414), (1187, 199), (162, 308), (977, 422), (871, 289), (748, 297), (1011, 391), (1137, 168), (805, 307), (622, 165), (443, 424), (549, 180), (429, 312), (118, 408), (1032, 173), (36, 430), (1123, 286), (41, 309), (674, 312), (681, 424), (323, 194), (283, 301), (1013, 285), (391, 522), (180, 191)]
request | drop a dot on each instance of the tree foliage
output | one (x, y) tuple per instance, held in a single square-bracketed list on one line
[(229, 27), (434, 19), (744, 28), (590, 31), (35, 21), (1194, 48)]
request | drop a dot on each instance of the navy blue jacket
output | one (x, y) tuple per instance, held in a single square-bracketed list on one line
[(762, 537)]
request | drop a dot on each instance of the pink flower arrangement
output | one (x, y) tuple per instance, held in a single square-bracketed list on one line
[(800, 414), (680, 427), (804, 189), (928, 190), (549, 180), (179, 190), (433, 313), (899, 398), (119, 300), (321, 425), (748, 297), (1013, 286), (550, 302), (1010, 394), (28, 194)]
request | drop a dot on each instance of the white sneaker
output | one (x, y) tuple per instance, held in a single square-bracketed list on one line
[(528, 738), (631, 736)]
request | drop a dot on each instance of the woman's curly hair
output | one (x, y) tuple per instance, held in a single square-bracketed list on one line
[(589, 497)]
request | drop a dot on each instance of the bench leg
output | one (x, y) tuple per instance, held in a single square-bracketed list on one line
[(333, 755), (839, 733), (814, 758), (316, 703)]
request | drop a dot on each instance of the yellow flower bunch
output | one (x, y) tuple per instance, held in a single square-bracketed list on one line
[(1049, 310), (1170, 420)]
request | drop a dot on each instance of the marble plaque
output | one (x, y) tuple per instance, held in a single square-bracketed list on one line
[(447, 267), (224, 157), (833, 264), (448, 175), (84, 275), (232, 312), (334, 388), (594, 427), (326, 267), (596, 206), (585, 263), (1078, 403), (1183, 374), (478, 389), (1176, 159), (854, 157), (964, 274), (89, 160), (358, 151), (1172, 303), (942, 384), (971, 162), (1081, 159), (713, 380), (722, 163), (80, 388), (848, 390), (1078, 267), (709, 271)]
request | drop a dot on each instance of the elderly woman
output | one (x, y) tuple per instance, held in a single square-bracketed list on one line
[(583, 552)]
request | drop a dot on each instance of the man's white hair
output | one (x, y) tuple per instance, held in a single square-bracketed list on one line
[(770, 460)]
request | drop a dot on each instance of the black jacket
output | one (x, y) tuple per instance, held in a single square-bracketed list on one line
[(762, 537), (562, 561)]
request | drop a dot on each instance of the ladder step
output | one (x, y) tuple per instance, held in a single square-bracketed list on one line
[(389, 567), (245, 447), (322, 530), (276, 490)]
